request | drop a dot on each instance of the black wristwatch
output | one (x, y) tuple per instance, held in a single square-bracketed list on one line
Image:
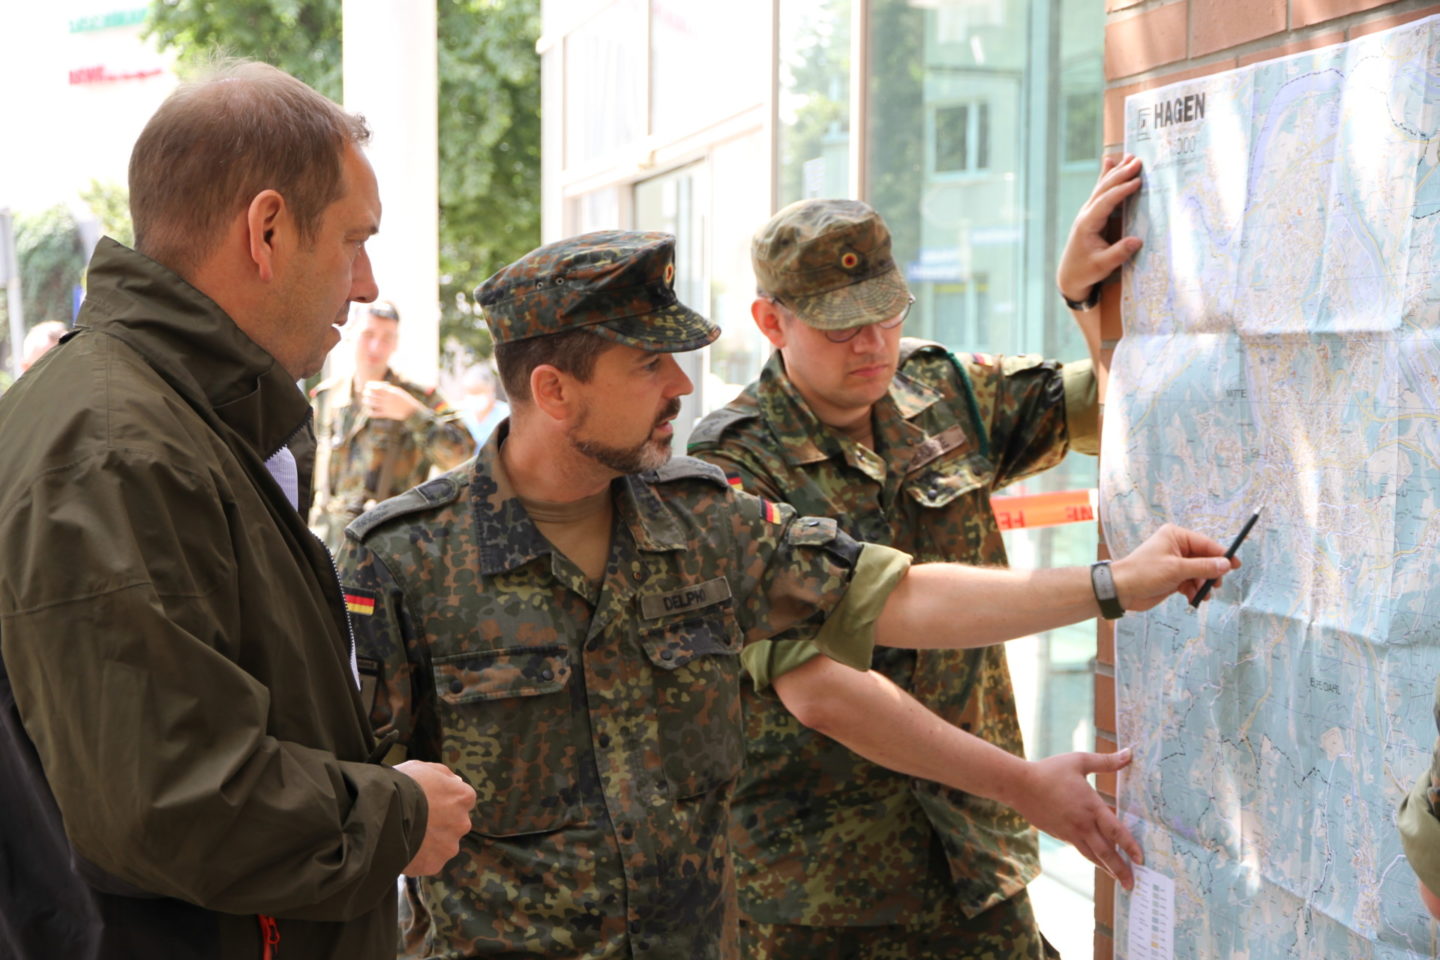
[(1091, 301), (1103, 583)]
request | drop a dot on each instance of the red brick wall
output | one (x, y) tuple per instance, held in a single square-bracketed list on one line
[(1149, 43)]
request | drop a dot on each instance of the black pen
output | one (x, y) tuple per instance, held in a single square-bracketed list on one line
[(1204, 590)]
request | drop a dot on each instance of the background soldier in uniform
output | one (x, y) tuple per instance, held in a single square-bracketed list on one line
[(377, 434), (903, 443), (564, 624)]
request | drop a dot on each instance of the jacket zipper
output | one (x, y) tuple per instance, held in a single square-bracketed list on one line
[(269, 937), (334, 570)]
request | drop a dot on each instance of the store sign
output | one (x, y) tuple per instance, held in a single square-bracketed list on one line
[(106, 75), (105, 21)]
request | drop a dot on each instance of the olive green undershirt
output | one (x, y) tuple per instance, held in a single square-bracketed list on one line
[(579, 529)]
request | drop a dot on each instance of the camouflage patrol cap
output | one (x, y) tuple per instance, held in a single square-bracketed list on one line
[(829, 262), (618, 283)]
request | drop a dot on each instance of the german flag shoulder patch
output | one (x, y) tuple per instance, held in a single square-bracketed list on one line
[(360, 602), (771, 510)]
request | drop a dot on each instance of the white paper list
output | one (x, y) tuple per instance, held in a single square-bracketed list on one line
[(1151, 925)]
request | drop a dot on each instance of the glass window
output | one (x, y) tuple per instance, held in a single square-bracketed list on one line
[(605, 83), (982, 142), (676, 202), (813, 139), (741, 178), (961, 139), (596, 210), (693, 43)]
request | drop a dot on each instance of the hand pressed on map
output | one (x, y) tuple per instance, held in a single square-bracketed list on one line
[(1089, 257), (868, 713), (1054, 795)]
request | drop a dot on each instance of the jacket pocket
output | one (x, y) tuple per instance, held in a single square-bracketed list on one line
[(507, 721), (940, 482), (697, 683)]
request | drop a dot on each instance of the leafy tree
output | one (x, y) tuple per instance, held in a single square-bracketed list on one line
[(489, 119), (110, 203), (52, 264), (301, 37)]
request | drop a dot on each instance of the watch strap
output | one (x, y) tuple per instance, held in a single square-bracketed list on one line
[(1091, 301), (1102, 581)]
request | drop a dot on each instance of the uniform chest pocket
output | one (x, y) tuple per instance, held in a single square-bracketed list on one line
[(696, 668), (507, 720), (943, 480)]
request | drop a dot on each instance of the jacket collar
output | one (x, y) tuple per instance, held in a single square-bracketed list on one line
[(193, 345), (807, 440), (497, 508)]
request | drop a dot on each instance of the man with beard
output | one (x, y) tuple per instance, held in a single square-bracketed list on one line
[(563, 623)]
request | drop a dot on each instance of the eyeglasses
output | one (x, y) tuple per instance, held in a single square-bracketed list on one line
[(850, 333)]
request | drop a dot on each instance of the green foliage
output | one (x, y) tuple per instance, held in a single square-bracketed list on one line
[(298, 36), (110, 203), (51, 264), (489, 117), (489, 152)]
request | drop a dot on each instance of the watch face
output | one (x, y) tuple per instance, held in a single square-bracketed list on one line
[(1103, 583)]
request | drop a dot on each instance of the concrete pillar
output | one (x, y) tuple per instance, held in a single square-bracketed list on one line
[(390, 76)]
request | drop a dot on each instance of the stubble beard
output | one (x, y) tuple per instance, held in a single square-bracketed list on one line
[(647, 455)]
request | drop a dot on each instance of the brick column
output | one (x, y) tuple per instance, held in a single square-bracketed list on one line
[(1151, 43)]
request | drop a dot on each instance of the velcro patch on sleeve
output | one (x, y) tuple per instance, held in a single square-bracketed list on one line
[(369, 681)]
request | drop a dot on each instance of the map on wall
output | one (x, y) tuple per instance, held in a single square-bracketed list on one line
[(1282, 353)]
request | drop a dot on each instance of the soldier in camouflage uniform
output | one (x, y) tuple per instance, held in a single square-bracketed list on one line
[(377, 434), (902, 443), (564, 622)]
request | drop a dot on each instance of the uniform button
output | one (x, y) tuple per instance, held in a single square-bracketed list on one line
[(628, 832), (603, 740), (456, 686), (547, 674), (667, 654)]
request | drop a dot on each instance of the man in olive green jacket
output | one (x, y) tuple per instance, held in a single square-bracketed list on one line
[(186, 761)]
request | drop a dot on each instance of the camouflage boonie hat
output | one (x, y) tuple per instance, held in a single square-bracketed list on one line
[(619, 283), (829, 261)]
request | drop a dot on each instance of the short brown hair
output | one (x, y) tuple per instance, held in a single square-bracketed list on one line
[(217, 142), (573, 352)]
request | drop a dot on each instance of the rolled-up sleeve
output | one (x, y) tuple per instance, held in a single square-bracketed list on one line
[(848, 634), (810, 588)]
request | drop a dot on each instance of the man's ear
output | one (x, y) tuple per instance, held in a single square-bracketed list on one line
[(553, 392), (264, 220), (767, 318)]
